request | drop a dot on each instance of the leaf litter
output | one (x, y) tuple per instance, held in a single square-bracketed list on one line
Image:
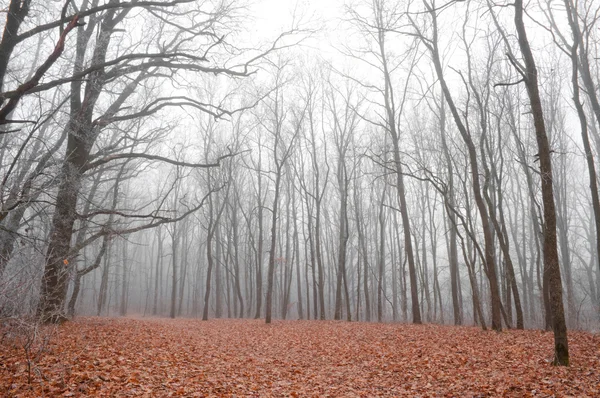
[(151, 357)]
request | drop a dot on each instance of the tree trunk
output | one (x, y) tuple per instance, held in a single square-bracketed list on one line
[(174, 279), (158, 272), (16, 13), (124, 280), (551, 265), (342, 235), (381, 257), (210, 260), (296, 238), (589, 156), (80, 274), (490, 267), (55, 280), (452, 236), (271, 269), (102, 294), (259, 254)]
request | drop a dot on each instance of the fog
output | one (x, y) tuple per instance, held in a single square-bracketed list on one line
[(366, 160)]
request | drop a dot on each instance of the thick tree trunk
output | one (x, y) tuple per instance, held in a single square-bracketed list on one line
[(81, 138), (55, 280), (551, 265), (577, 54), (16, 13)]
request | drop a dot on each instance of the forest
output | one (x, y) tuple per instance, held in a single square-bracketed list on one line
[(380, 161)]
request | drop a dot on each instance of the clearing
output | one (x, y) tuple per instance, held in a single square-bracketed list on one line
[(184, 357)]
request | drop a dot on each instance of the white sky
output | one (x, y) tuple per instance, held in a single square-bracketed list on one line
[(274, 16)]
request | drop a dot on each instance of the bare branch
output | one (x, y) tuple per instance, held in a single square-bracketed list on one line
[(110, 158), (509, 83), (97, 10), (26, 87)]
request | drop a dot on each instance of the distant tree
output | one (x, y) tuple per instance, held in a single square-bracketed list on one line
[(112, 67), (431, 44), (283, 133), (381, 20)]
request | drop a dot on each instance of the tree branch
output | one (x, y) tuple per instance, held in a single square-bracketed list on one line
[(96, 10), (26, 87), (110, 158)]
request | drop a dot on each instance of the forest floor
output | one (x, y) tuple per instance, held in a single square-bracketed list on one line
[(163, 357)]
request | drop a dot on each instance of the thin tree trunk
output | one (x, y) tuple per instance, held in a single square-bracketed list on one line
[(490, 267), (174, 242), (381, 257)]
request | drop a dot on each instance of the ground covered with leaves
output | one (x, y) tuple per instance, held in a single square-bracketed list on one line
[(164, 357)]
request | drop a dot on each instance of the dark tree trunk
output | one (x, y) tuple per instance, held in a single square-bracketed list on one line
[(489, 260), (551, 265), (55, 280), (81, 137), (16, 13), (578, 54)]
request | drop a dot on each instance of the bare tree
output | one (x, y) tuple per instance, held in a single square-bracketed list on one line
[(282, 148), (382, 20), (111, 69), (431, 43), (529, 74), (344, 124)]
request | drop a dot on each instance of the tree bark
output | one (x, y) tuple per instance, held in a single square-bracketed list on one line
[(551, 265)]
